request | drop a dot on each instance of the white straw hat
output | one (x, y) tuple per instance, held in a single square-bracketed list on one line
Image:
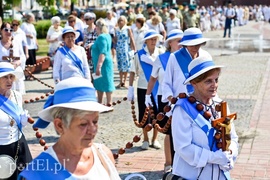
[(75, 93), (192, 37), (7, 68), (68, 29), (150, 34), (173, 34), (200, 65)]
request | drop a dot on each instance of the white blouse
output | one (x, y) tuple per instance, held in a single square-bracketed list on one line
[(96, 172), (9, 134), (64, 68), (29, 29)]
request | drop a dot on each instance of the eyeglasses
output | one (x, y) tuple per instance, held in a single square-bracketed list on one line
[(8, 29), (15, 25), (88, 19), (71, 21)]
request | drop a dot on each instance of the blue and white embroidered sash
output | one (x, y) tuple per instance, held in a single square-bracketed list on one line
[(147, 69), (11, 109), (45, 167), (183, 59), (76, 61), (164, 59)]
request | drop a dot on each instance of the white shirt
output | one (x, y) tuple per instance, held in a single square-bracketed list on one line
[(192, 152), (138, 35), (53, 34), (172, 24), (9, 134), (172, 85), (137, 68), (96, 172), (111, 23), (29, 29), (64, 68), (158, 72)]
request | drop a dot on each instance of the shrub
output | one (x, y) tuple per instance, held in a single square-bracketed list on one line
[(43, 26)]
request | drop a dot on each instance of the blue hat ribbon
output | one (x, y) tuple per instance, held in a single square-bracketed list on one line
[(6, 70), (200, 67), (150, 34), (174, 34), (191, 37), (70, 95)]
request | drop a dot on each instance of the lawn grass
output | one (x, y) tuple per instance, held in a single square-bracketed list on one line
[(43, 47)]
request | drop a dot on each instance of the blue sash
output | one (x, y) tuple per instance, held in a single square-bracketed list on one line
[(147, 69), (11, 109), (76, 61), (44, 167), (205, 125), (183, 59), (164, 59)]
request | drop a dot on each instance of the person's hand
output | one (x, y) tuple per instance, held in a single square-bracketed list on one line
[(219, 157), (30, 36), (148, 101), (147, 59), (230, 164), (98, 71), (130, 95)]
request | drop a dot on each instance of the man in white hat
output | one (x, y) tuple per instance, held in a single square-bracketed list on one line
[(177, 67)]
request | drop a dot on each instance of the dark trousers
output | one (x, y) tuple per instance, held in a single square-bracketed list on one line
[(228, 23), (32, 57)]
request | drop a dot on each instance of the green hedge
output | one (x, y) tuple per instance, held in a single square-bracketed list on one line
[(43, 26)]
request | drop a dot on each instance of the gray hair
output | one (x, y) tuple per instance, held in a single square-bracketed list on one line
[(101, 24), (28, 16), (55, 19), (68, 114)]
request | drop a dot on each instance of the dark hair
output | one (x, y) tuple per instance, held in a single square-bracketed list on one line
[(4, 25), (140, 21), (203, 76), (152, 13)]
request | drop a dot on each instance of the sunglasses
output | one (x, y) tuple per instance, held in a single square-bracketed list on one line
[(15, 24), (88, 19), (71, 21), (8, 29)]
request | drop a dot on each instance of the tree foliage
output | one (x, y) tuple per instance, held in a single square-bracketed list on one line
[(46, 2)]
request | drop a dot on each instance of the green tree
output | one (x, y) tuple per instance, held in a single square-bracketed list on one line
[(45, 2), (9, 4)]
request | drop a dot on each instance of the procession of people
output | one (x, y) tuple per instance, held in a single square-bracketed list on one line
[(171, 69)]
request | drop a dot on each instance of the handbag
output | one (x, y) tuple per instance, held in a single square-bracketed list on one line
[(8, 164)]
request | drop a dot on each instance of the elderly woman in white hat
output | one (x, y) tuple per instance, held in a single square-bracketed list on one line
[(197, 155), (74, 111), (70, 59), (177, 67), (172, 22), (139, 28), (142, 66), (172, 45), (14, 150), (52, 35), (90, 33)]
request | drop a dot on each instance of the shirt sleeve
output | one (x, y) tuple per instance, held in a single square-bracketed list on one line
[(102, 44), (57, 66), (167, 83), (85, 64)]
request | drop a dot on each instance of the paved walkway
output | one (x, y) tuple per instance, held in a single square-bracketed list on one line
[(244, 84)]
